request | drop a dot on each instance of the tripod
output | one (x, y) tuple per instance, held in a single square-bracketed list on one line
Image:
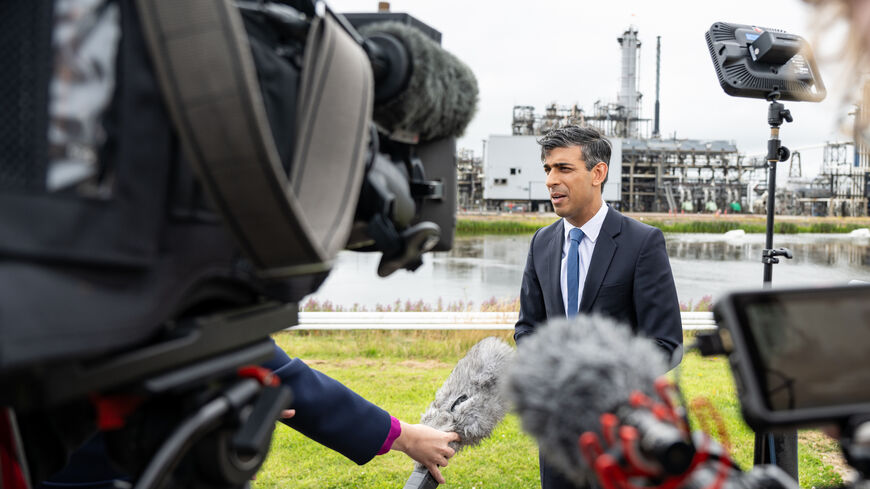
[(781, 448)]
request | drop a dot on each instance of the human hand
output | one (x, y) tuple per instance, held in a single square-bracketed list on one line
[(427, 446), (831, 430)]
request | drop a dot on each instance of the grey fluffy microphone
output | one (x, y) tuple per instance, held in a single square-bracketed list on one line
[(470, 402), (568, 374), (439, 95)]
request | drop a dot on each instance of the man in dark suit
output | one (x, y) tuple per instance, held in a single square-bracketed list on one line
[(594, 259)]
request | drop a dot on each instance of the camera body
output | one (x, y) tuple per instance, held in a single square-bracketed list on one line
[(799, 356), (157, 230), (799, 359)]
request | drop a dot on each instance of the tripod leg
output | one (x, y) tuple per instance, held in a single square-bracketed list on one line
[(760, 456), (779, 449)]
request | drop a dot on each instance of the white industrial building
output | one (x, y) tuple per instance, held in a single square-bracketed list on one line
[(514, 173)]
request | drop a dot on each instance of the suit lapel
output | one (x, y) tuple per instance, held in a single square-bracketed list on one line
[(554, 266), (605, 247)]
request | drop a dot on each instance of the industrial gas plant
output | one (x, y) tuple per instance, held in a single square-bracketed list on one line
[(658, 174)]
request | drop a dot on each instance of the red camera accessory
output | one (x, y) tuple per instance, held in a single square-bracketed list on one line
[(13, 469)]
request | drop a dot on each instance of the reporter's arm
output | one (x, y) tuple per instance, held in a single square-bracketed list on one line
[(330, 413), (333, 415)]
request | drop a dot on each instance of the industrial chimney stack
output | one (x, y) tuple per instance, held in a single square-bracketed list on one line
[(629, 96), (656, 133)]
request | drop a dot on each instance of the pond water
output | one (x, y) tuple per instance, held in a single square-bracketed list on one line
[(481, 268)]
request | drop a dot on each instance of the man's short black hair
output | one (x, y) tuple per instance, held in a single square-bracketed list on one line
[(593, 146)]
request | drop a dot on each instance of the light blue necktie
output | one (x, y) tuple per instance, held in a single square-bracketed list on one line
[(573, 266)]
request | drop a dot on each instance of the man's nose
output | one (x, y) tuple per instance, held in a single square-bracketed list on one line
[(552, 179)]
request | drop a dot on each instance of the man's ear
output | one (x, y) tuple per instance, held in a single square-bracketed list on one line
[(599, 173)]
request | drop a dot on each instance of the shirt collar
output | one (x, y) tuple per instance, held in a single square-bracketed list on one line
[(592, 228)]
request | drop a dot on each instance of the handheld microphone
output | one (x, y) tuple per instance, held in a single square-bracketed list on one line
[(470, 402), (421, 90)]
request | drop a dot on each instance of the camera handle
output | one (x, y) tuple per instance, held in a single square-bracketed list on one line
[(779, 449), (226, 439)]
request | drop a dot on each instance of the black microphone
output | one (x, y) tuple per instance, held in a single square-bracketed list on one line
[(421, 90), (570, 373), (470, 402)]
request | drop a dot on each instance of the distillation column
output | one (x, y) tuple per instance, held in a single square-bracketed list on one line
[(629, 96)]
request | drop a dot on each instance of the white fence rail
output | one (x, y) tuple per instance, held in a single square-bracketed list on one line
[(445, 320)]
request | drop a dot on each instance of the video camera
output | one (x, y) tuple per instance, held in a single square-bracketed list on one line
[(799, 359), (176, 176)]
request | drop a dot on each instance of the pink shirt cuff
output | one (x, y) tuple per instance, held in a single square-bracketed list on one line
[(395, 431)]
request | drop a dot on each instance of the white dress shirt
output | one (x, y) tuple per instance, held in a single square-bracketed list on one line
[(591, 230)]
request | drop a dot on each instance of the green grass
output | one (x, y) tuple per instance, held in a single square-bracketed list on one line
[(716, 227), (778, 227), (466, 227), (400, 371)]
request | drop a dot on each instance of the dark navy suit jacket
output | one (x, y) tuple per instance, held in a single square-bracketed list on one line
[(629, 278), (326, 411)]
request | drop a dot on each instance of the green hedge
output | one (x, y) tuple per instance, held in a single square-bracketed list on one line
[(469, 227), (466, 227)]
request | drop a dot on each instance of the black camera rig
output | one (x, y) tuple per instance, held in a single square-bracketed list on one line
[(177, 176)]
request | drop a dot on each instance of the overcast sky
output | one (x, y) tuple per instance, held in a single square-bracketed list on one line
[(535, 53)]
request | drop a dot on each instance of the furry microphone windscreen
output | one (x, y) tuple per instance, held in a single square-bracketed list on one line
[(569, 373), (441, 96), (471, 402)]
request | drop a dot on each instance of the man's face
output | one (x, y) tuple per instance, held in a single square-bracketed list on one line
[(574, 191)]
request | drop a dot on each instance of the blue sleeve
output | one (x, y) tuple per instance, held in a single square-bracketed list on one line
[(330, 413), (89, 467)]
